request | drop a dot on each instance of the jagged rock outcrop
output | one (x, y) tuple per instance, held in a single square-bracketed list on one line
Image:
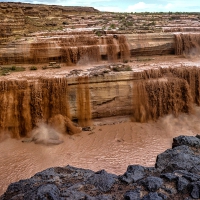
[(175, 176)]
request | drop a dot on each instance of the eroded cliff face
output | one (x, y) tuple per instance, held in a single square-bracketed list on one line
[(143, 95), (151, 44)]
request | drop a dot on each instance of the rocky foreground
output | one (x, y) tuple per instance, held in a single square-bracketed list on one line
[(176, 175)]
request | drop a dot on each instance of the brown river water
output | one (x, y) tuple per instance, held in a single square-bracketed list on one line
[(113, 144)]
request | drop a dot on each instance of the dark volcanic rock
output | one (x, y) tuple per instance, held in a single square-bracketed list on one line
[(176, 176), (152, 196), (195, 190), (75, 195), (132, 195), (182, 184), (178, 158), (186, 140), (152, 183), (189, 176), (133, 174), (45, 192), (169, 176), (102, 180)]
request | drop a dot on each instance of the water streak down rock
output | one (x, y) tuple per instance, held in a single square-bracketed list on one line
[(83, 102)]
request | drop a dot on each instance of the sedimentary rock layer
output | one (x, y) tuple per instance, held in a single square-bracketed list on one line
[(151, 44)]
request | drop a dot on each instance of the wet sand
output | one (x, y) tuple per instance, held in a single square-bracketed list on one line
[(113, 144)]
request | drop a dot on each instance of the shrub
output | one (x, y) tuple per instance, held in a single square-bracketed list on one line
[(13, 68), (125, 61), (33, 68)]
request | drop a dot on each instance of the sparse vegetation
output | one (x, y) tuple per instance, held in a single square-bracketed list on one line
[(33, 68), (119, 68), (13, 68), (134, 22), (112, 26), (7, 70), (143, 59)]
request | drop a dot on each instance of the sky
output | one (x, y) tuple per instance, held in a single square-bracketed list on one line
[(126, 5)]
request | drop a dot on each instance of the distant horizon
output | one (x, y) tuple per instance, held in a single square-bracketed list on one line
[(125, 6)]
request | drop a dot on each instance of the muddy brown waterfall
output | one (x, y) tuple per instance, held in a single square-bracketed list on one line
[(155, 98), (15, 115), (124, 48), (23, 104), (187, 44), (165, 91), (115, 44)]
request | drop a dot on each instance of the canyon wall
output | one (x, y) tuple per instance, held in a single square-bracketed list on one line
[(69, 49), (143, 95), (73, 48), (151, 44), (80, 49)]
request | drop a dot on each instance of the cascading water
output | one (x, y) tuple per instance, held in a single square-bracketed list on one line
[(187, 44), (156, 98), (71, 50), (156, 92), (23, 104)]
